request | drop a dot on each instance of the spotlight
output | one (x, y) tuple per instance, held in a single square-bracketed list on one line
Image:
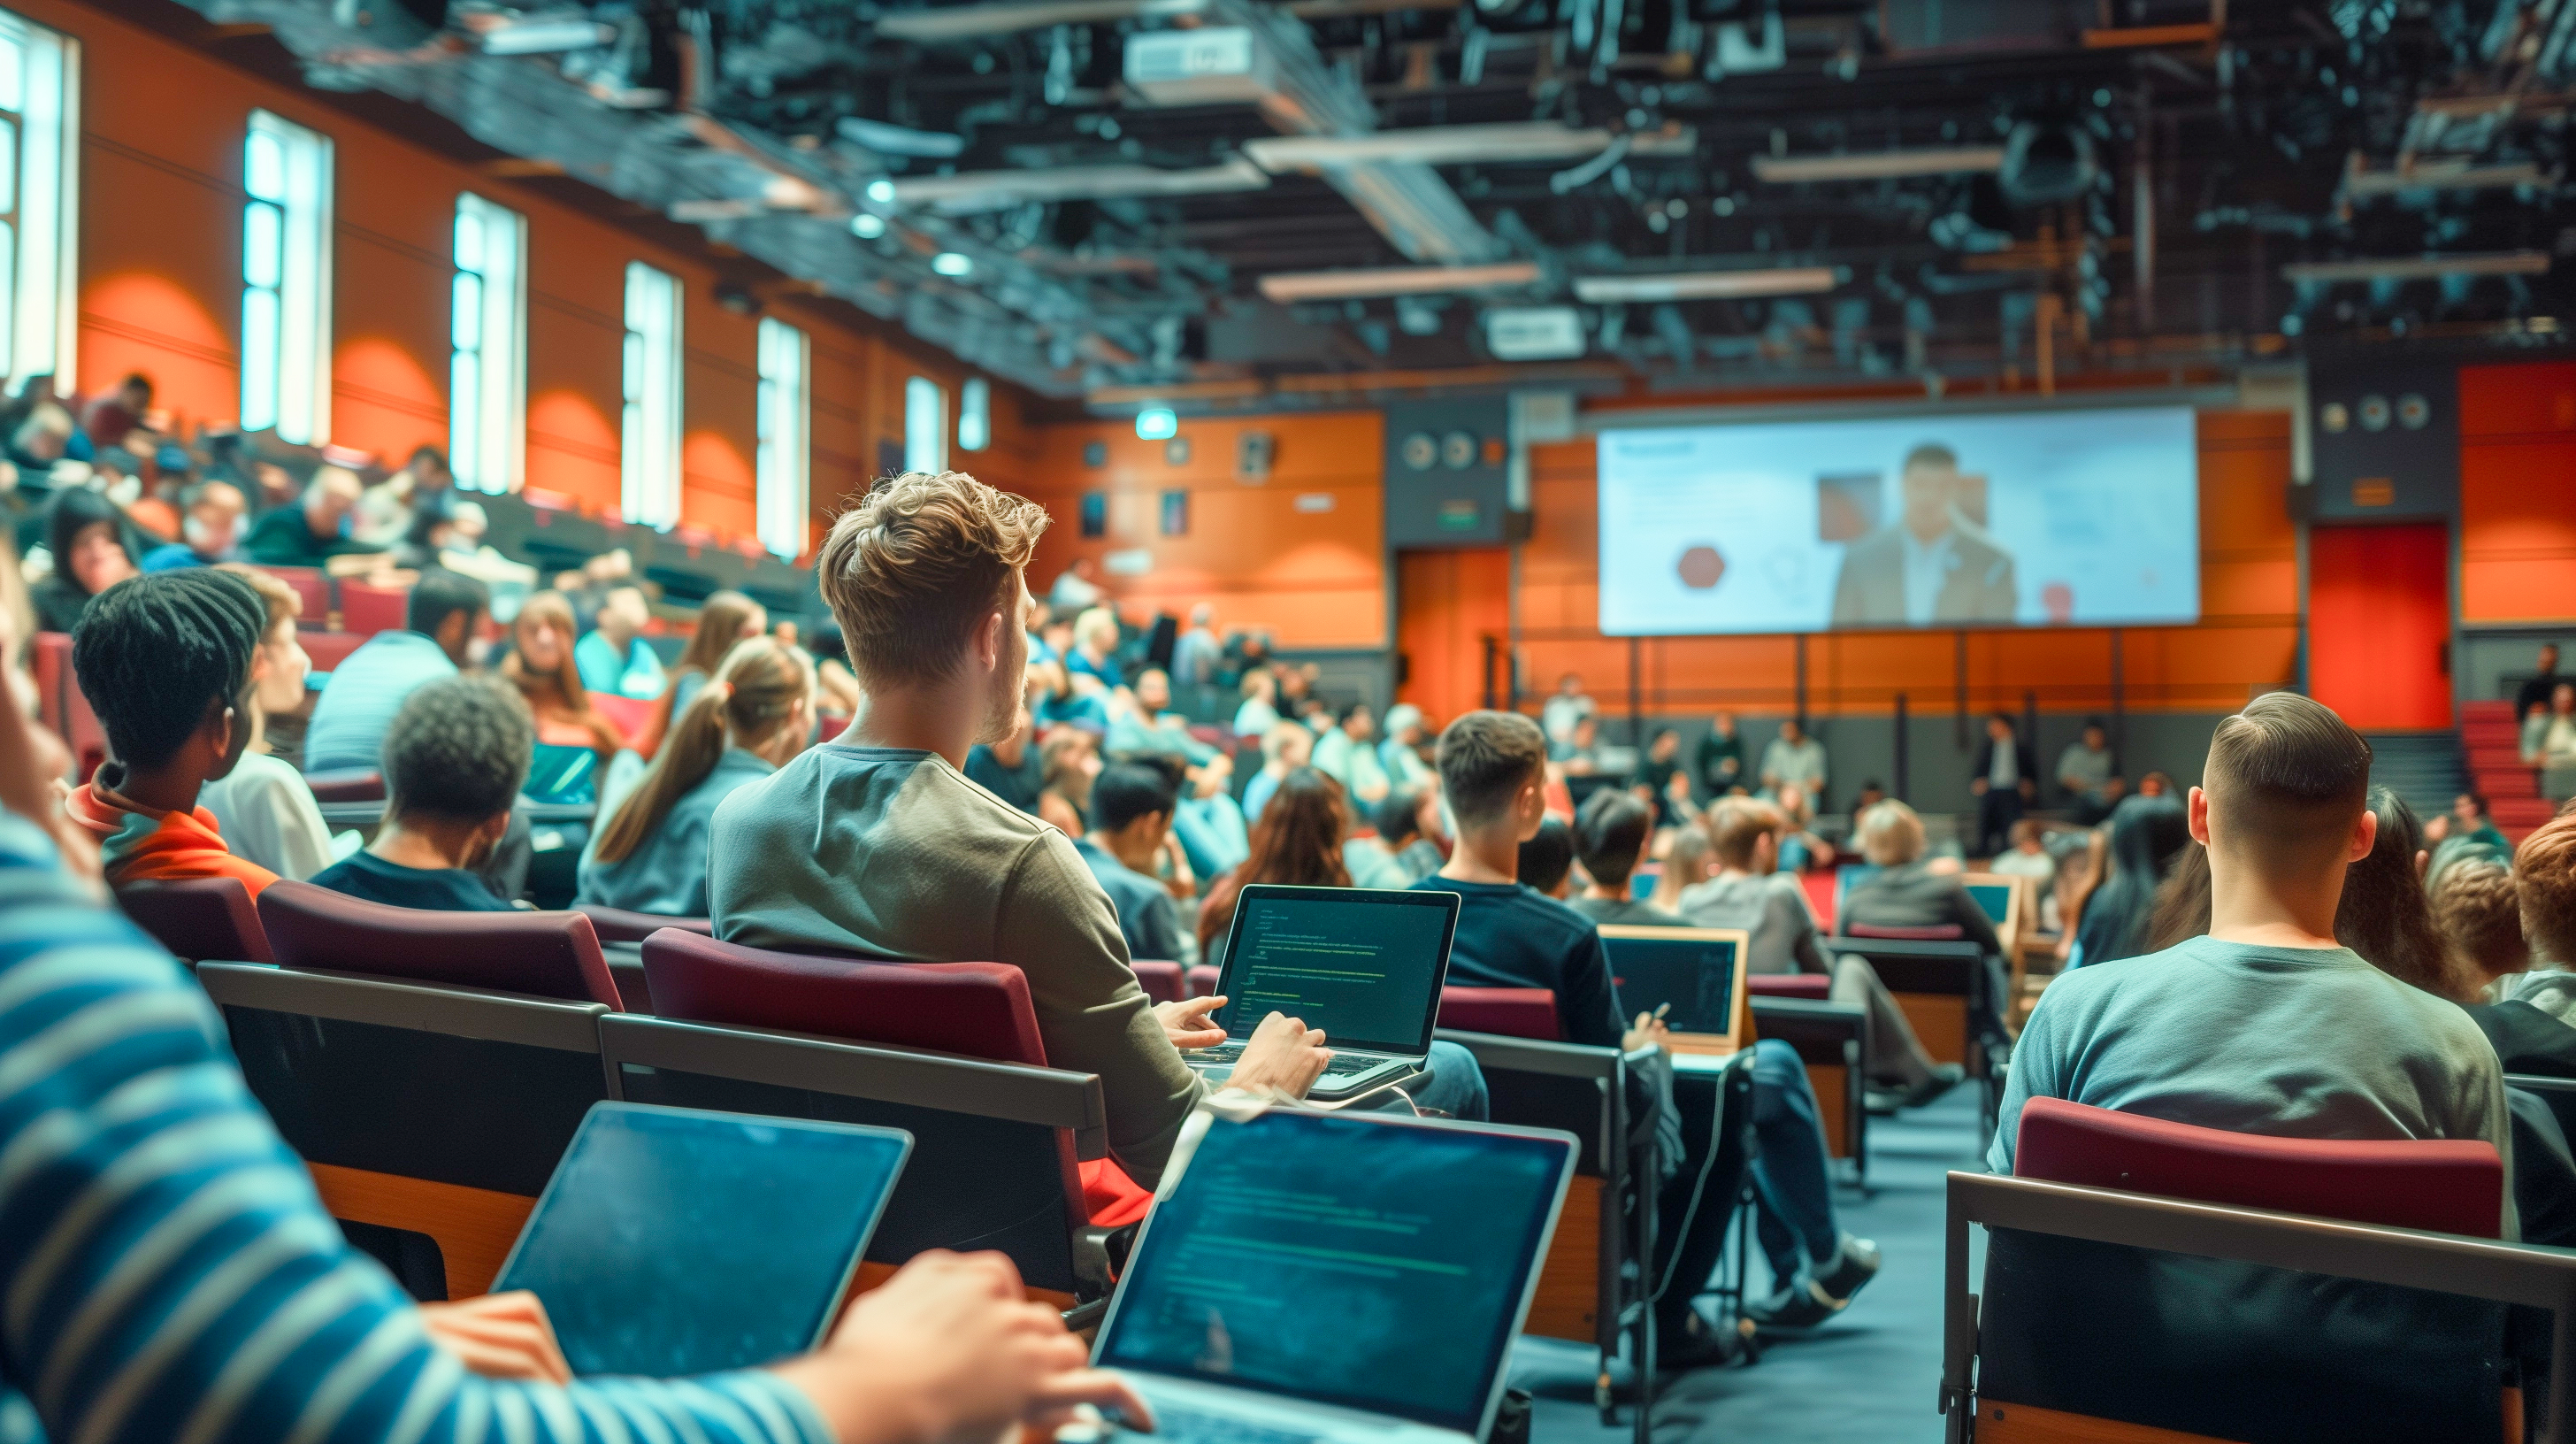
[(1156, 423), (952, 265), (867, 225)]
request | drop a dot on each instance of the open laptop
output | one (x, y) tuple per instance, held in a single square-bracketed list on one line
[(672, 1241), (1330, 1276), (1363, 964), (1694, 977)]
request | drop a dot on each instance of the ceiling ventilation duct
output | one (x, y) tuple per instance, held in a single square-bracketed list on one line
[(2046, 164)]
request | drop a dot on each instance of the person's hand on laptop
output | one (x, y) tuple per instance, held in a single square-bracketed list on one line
[(950, 1349), (1647, 1032), (499, 1336), (1284, 1055), (1187, 1022)]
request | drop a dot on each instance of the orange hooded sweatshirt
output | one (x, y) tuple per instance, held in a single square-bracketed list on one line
[(136, 845)]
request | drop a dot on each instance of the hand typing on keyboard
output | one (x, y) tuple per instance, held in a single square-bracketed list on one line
[(1283, 1056)]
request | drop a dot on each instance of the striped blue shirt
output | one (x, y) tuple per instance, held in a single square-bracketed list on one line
[(167, 1275)]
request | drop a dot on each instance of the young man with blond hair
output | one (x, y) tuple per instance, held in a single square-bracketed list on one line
[(2266, 1024)]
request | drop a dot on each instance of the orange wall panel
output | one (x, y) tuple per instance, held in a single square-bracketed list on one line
[(2518, 492)]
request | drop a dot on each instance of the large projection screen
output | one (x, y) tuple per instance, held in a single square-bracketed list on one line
[(2032, 519)]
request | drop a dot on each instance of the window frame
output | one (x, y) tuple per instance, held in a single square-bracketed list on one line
[(487, 411), (649, 430), (286, 303), (783, 481)]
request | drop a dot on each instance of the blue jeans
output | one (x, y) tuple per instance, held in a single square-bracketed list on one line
[(1212, 834), (1456, 1086), (1792, 1181)]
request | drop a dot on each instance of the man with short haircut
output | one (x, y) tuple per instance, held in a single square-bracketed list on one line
[(368, 688), (1610, 834), (210, 530), (317, 530), (1748, 892), (613, 656), (1794, 759), (875, 844), (2267, 1025), (1493, 769), (1932, 566), (2470, 823), (1547, 859), (454, 761), (1131, 818), (2005, 778), (165, 661)]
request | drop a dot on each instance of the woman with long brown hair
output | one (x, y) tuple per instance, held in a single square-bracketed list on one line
[(743, 725), (541, 666), (1298, 841), (724, 619)]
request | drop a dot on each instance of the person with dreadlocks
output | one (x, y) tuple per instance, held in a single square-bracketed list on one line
[(165, 661)]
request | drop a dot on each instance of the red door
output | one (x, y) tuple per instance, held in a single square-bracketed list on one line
[(2379, 625), (1447, 603)]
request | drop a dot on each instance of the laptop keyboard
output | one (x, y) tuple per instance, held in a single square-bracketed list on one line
[(1177, 1426), (1344, 1065)]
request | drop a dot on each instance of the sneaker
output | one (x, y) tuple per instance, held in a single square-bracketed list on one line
[(1697, 1344), (1818, 1294), (1886, 1102)]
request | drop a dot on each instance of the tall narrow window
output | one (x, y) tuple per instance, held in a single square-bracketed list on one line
[(786, 409), (649, 464), (974, 414), (925, 425), (39, 200), (487, 370), (286, 281)]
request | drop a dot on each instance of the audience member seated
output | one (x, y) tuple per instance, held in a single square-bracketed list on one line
[(454, 759), (1579, 755), (315, 533), (1012, 769), (1558, 714), (2028, 856), (1907, 892), (2478, 909), (390, 509), (1546, 859), (2471, 824), (1687, 864), (736, 730), (263, 807), (111, 416), (613, 658), (1794, 759), (2537, 689), (210, 529), (1071, 759), (1131, 850), (166, 663), (541, 666), (93, 549), (1660, 780), (370, 685), (2267, 1025), (1748, 893), (1258, 714), (2530, 1023), (2385, 914), (1717, 759), (1611, 831), (724, 618), (2146, 835), (878, 846), (164, 1185), (1348, 755), (1285, 748), (1091, 664), (2549, 743), (2544, 874), (1397, 855), (2090, 775), (1297, 843), (1399, 752)]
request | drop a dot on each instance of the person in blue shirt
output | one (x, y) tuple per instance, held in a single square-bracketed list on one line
[(454, 761), (370, 685), (741, 727), (1131, 818), (613, 656), (211, 530)]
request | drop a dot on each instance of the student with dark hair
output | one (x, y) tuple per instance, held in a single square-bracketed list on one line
[(2470, 822), (93, 549), (370, 684), (2269, 1024), (264, 806), (738, 728), (1132, 802), (1398, 855), (2005, 780), (1297, 843), (2385, 914), (454, 759), (2147, 834), (166, 663), (1611, 830), (1547, 859)]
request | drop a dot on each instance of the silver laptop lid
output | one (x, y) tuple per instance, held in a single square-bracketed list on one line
[(1363, 964), (1372, 1263)]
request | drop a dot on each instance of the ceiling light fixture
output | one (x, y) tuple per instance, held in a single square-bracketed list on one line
[(1708, 285), (2361, 181), (1879, 165), (994, 190), (1287, 287), (1534, 142), (545, 37), (952, 264), (1156, 423), (867, 225), (2418, 268)]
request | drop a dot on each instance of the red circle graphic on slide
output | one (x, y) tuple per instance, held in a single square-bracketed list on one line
[(1700, 567)]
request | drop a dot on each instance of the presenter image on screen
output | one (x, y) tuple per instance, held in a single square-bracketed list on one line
[(1934, 566)]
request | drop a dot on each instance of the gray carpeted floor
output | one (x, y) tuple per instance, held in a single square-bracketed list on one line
[(1871, 1374)]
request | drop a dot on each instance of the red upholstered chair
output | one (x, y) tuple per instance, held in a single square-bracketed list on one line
[(347, 784), (2440, 1185), (1931, 933), (1162, 981), (617, 925), (1202, 980), (978, 1010), (63, 708), (366, 609), (312, 588), (1511, 1012), (546, 955), (1814, 986), (199, 919), (329, 649)]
